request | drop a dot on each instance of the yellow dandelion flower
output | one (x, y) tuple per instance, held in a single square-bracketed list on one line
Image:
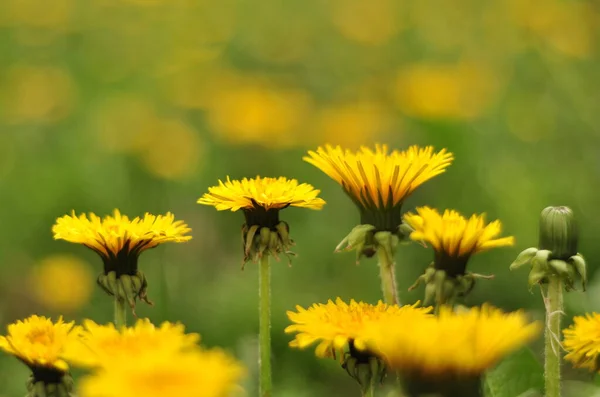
[(119, 241), (104, 345), (582, 342), (455, 343), (261, 199), (378, 181), (207, 373), (454, 239), (41, 345), (261, 194), (338, 325)]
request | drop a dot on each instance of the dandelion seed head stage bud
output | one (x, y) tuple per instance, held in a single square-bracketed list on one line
[(261, 199), (454, 240), (378, 181), (119, 241), (556, 253), (42, 345)]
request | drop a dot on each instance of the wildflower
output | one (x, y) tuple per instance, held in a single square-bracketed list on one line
[(449, 351), (41, 344), (119, 241), (102, 345), (378, 182), (261, 199), (556, 254), (454, 240), (205, 373), (582, 342), (555, 264), (338, 328)]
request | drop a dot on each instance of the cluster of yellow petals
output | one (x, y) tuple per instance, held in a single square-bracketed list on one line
[(39, 342), (453, 234), (210, 373), (112, 234), (335, 324), (102, 345), (269, 193), (380, 178), (462, 342), (582, 342)]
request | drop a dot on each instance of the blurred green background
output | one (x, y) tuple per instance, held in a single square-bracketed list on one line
[(142, 104)]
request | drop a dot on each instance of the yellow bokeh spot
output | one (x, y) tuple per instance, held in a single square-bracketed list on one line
[(40, 14), (121, 122), (247, 110), (567, 27), (368, 22), (460, 91), (352, 123), (172, 150), (62, 282), (42, 94)]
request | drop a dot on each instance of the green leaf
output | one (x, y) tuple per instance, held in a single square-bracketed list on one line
[(519, 374)]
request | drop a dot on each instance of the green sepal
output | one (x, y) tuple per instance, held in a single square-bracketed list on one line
[(524, 258), (580, 267)]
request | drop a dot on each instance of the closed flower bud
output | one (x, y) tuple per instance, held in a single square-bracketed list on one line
[(556, 255), (558, 232)]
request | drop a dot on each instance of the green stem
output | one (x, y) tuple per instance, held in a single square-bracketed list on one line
[(264, 291), (120, 313), (554, 309), (388, 277), (370, 392)]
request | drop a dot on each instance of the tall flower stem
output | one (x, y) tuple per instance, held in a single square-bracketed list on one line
[(264, 291), (120, 313), (370, 392), (554, 308), (388, 277)]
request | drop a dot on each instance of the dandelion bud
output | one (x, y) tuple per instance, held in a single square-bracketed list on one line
[(558, 232), (556, 255)]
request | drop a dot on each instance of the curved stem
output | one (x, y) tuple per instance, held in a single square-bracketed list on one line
[(120, 313), (264, 291), (388, 277), (554, 307)]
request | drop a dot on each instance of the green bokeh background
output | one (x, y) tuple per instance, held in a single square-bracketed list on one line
[(142, 105)]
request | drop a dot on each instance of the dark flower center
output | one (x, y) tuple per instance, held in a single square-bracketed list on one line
[(384, 219), (46, 374), (262, 217), (453, 265), (126, 260)]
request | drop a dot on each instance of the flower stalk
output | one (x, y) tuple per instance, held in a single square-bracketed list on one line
[(264, 291), (120, 312), (388, 277), (552, 346)]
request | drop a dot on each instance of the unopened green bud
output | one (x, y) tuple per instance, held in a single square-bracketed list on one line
[(558, 232), (557, 254)]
